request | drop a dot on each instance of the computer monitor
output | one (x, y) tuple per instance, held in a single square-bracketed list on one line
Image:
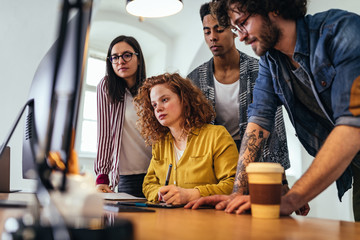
[(50, 122), (55, 90)]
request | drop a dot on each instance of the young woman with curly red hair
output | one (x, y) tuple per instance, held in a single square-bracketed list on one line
[(174, 118)]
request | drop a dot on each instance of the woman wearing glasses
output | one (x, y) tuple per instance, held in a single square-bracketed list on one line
[(122, 157)]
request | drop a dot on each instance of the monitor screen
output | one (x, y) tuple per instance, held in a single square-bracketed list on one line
[(54, 94)]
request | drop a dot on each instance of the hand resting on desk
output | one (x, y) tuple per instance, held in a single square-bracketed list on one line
[(103, 188), (176, 195), (303, 211), (234, 203), (220, 202)]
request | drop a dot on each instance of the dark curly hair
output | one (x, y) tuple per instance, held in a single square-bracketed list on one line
[(205, 9), (196, 111), (288, 9), (116, 85)]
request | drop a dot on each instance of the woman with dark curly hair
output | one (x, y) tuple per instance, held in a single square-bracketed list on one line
[(173, 118), (121, 149)]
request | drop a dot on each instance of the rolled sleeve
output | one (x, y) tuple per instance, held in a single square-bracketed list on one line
[(348, 120), (344, 49), (262, 122), (265, 101)]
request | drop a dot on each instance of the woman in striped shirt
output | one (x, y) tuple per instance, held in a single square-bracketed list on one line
[(122, 155)]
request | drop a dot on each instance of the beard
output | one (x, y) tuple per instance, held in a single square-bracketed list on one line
[(269, 37)]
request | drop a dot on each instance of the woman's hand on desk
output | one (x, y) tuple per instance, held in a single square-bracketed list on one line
[(176, 195), (104, 188)]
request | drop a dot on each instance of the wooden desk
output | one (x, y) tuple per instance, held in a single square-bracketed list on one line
[(184, 224), (181, 224)]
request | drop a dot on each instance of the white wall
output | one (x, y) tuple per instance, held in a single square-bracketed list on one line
[(27, 31)]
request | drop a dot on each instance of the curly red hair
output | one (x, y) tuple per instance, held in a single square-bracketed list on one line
[(196, 111)]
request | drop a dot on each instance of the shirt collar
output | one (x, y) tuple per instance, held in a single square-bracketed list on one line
[(302, 38), (193, 131)]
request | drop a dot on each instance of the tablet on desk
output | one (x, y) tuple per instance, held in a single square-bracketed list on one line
[(150, 204), (163, 205), (117, 207)]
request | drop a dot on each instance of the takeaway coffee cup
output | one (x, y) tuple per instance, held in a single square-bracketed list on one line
[(265, 189)]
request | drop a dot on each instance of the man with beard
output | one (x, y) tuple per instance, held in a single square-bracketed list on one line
[(227, 80), (311, 65)]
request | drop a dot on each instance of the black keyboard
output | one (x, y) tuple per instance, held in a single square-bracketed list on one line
[(114, 207)]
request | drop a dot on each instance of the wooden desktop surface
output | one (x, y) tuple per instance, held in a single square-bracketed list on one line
[(183, 224), (212, 224)]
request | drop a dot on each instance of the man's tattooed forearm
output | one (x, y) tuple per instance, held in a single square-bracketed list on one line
[(241, 184), (250, 151)]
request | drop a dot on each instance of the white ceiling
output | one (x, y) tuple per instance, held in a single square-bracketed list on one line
[(110, 19), (157, 36)]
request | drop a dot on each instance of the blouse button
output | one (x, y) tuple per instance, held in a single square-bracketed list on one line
[(323, 83)]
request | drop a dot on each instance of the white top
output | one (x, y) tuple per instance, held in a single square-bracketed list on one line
[(227, 104), (178, 153), (134, 156)]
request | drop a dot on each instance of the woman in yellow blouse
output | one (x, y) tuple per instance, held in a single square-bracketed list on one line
[(174, 118)]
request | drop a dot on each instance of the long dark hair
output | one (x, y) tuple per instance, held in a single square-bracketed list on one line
[(116, 85)]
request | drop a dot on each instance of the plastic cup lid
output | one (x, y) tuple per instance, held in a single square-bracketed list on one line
[(264, 167)]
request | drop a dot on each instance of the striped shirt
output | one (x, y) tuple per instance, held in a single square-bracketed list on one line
[(110, 129)]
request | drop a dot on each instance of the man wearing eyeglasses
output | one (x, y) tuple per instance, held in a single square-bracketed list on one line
[(227, 80), (311, 65)]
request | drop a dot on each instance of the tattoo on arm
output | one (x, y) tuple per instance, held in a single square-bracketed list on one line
[(250, 151)]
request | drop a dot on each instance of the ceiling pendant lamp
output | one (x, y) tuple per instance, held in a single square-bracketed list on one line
[(153, 8)]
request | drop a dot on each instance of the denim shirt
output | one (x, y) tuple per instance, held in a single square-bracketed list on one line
[(328, 49)]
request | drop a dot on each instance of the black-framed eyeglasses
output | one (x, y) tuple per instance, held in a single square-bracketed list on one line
[(240, 27), (125, 56)]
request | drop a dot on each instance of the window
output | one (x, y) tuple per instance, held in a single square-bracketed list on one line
[(86, 128)]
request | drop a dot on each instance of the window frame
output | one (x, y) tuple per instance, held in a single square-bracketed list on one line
[(86, 88)]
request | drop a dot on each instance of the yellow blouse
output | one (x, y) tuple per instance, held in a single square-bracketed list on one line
[(208, 163)]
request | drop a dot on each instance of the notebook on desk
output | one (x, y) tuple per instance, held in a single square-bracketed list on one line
[(120, 196)]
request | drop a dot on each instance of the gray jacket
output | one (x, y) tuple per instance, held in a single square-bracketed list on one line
[(275, 149)]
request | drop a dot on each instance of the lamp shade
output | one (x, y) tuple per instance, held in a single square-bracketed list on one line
[(153, 8)]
